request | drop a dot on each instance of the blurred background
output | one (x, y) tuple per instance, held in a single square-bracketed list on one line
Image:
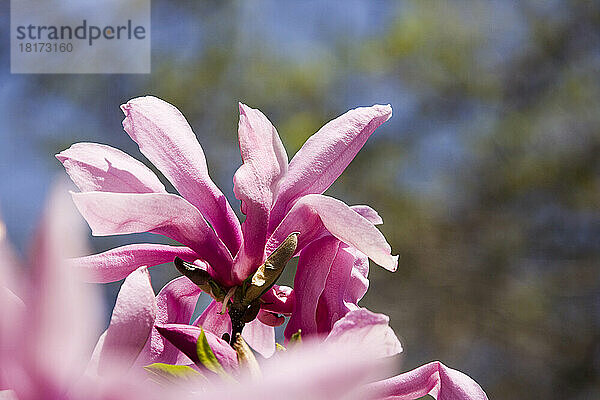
[(487, 176)]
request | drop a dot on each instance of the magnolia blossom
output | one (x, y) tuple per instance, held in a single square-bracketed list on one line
[(119, 195), (238, 264)]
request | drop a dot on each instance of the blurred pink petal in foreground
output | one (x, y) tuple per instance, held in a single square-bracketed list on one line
[(319, 371), (50, 318), (352, 362)]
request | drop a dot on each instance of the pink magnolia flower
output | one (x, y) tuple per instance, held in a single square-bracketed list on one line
[(119, 195)]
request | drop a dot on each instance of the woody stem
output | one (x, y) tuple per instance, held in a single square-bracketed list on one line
[(236, 315)]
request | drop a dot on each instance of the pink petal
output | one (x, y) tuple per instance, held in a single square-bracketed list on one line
[(176, 303), (344, 287), (367, 212), (359, 282), (162, 213), (98, 167), (131, 322), (311, 371), (114, 265), (185, 337), (63, 313), (166, 139), (270, 319), (435, 379), (10, 301), (260, 337), (367, 329), (364, 211), (255, 184), (313, 211), (11, 329), (325, 155), (9, 266), (279, 299), (92, 367), (213, 321), (313, 267)]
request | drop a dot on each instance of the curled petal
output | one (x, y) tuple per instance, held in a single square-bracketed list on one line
[(346, 284), (270, 319), (370, 330), (260, 337), (255, 184), (313, 267), (312, 212), (435, 379), (359, 282), (166, 139), (279, 300), (98, 167), (131, 322), (368, 213), (364, 211), (184, 337), (325, 155), (162, 213), (114, 265)]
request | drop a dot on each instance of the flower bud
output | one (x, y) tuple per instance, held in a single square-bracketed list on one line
[(246, 358), (267, 274)]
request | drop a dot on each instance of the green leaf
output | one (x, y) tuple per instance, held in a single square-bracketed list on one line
[(167, 373), (207, 357)]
